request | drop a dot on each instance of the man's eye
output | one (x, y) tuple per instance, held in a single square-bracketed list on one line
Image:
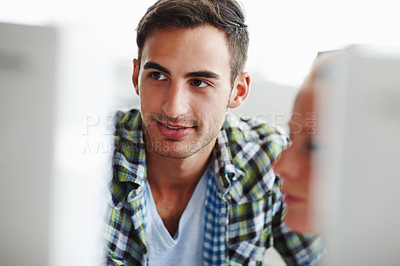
[(199, 83), (157, 76)]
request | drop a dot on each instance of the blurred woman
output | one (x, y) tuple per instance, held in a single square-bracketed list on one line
[(294, 165)]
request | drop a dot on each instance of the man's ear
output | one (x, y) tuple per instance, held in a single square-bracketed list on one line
[(135, 75), (240, 90)]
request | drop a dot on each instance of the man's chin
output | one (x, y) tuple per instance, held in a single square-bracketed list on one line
[(176, 150), (173, 154)]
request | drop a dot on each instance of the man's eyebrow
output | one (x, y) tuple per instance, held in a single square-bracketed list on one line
[(156, 66), (203, 74)]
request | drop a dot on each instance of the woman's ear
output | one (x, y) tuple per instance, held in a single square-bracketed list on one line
[(240, 90), (135, 75)]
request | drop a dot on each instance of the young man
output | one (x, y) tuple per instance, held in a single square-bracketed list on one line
[(191, 184)]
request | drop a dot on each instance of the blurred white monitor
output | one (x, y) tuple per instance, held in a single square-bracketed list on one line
[(27, 82), (358, 170)]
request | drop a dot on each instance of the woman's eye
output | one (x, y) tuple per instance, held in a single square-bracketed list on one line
[(311, 145), (157, 76), (199, 83)]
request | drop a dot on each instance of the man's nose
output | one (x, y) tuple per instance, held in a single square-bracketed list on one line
[(176, 100)]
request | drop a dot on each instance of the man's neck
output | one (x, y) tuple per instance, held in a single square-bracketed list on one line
[(169, 174), (173, 181)]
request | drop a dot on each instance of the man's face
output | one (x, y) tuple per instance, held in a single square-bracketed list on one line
[(184, 88)]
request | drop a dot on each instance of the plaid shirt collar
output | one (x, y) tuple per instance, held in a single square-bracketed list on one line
[(225, 172)]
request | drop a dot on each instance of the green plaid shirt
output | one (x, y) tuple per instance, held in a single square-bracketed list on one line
[(244, 207)]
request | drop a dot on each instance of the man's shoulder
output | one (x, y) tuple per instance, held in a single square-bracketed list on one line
[(129, 149), (250, 131), (252, 145), (128, 124), (127, 117)]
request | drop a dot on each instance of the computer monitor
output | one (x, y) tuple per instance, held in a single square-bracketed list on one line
[(27, 86), (357, 176)]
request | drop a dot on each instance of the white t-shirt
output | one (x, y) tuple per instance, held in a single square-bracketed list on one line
[(186, 247)]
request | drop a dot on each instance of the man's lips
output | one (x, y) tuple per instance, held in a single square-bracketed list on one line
[(173, 126), (174, 131)]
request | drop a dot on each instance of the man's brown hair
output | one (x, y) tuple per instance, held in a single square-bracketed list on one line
[(226, 15)]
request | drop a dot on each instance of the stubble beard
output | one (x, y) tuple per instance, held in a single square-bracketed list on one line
[(185, 150), (181, 149)]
